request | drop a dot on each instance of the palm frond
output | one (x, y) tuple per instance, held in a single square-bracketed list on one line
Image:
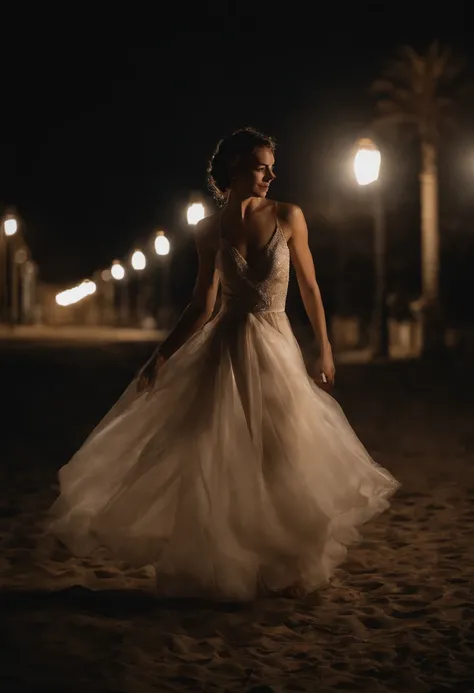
[(414, 89), (393, 127)]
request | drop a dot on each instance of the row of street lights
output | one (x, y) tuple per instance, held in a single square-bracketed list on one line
[(367, 164), (119, 275), (138, 259), (114, 283), (17, 274)]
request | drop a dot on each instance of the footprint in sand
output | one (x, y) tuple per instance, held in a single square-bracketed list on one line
[(104, 574), (373, 623), (398, 517), (408, 589), (417, 603), (416, 613), (372, 585)]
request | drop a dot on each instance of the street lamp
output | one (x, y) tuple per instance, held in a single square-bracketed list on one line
[(10, 226), (162, 248), (138, 261), (367, 163), (195, 213), (8, 275), (162, 244), (76, 293), (120, 291), (117, 271), (137, 288)]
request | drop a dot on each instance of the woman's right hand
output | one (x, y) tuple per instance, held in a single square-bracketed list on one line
[(147, 376)]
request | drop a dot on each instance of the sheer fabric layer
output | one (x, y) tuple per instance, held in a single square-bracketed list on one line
[(237, 472)]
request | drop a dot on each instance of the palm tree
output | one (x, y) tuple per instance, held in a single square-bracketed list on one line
[(418, 92)]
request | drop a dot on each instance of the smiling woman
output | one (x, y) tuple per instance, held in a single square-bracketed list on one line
[(224, 465), (247, 157)]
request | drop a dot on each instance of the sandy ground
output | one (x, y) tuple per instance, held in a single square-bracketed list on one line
[(398, 616)]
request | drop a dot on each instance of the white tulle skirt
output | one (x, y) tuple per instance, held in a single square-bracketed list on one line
[(237, 472)]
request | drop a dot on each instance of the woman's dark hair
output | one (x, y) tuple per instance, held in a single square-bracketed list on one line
[(227, 156)]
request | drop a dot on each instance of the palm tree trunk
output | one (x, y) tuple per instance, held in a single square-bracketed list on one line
[(432, 318), (380, 318), (429, 222)]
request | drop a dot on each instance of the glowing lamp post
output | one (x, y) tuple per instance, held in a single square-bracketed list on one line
[(10, 226), (162, 244), (121, 291), (76, 293), (138, 287), (162, 249), (9, 275), (138, 261), (117, 271), (367, 163), (195, 213)]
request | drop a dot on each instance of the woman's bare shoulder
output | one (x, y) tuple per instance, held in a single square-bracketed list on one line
[(291, 218), (287, 211)]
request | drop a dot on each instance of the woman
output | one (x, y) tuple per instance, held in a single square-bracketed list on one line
[(224, 465)]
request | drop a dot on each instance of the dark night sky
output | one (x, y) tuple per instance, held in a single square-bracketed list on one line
[(104, 138)]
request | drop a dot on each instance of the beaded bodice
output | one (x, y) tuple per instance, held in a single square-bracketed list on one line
[(259, 285)]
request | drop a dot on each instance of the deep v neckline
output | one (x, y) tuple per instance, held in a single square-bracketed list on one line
[(257, 251)]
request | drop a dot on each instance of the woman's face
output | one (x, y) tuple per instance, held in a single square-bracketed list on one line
[(255, 173)]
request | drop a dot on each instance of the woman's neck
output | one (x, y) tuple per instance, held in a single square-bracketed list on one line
[(238, 207)]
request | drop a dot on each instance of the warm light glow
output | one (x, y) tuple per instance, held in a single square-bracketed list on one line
[(162, 244), (195, 213), (77, 293), (117, 271), (106, 275), (10, 226), (138, 260), (367, 162)]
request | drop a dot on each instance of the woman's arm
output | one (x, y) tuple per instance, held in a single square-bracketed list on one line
[(201, 306), (302, 261)]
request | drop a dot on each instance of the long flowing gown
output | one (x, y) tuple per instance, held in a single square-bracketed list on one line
[(237, 472)]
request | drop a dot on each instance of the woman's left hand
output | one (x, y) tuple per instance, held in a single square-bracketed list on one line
[(325, 369)]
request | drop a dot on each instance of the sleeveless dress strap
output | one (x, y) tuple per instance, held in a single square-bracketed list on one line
[(278, 228)]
